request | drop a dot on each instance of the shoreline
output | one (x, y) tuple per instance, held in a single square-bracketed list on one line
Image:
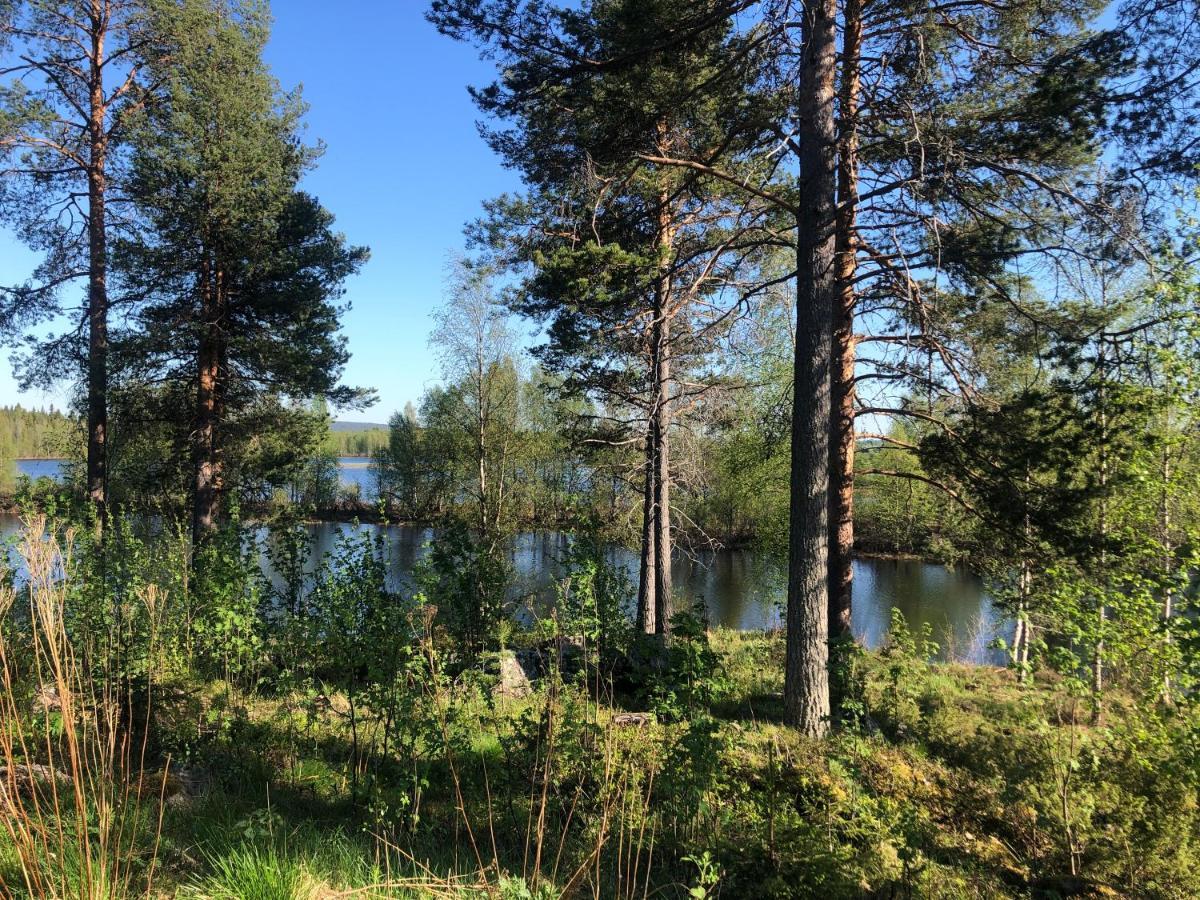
[(370, 514)]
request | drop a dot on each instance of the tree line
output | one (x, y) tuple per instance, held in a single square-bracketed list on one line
[(38, 433)]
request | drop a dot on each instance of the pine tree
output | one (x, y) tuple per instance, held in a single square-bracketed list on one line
[(628, 261), (63, 118), (237, 269)]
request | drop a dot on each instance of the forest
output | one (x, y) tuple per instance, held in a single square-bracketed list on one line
[(809, 281)]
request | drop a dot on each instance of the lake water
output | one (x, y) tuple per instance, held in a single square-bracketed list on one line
[(354, 471), (40, 468), (739, 589), (357, 472)]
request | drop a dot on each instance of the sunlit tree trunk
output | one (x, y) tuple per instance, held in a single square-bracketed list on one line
[(647, 607), (662, 486), (97, 183), (841, 462), (806, 688)]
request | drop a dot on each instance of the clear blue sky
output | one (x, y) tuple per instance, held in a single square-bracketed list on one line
[(405, 168)]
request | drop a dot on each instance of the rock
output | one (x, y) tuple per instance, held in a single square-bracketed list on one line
[(514, 676), (25, 779), (46, 699), (638, 720), (180, 787)]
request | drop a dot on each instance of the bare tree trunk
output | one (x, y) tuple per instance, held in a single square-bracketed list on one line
[(655, 591), (1021, 636), (97, 367), (806, 688), (1020, 651), (841, 462), (204, 433), (647, 607), (662, 486)]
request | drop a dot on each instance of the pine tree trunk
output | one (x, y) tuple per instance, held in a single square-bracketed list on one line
[(841, 492), (204, 434), (647, 607), (806, 688), (654, 606), (662, 487), (97, 367)]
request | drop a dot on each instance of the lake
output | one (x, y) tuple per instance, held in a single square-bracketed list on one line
[(40, 468), (357, 472), (739, 589), (354, 471)]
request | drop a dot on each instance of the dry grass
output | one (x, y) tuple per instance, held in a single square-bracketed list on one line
[(76, 799)]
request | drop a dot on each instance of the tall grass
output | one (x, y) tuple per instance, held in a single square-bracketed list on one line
[(81, 813)]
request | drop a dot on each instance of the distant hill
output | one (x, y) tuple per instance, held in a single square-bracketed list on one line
[(356, 426)]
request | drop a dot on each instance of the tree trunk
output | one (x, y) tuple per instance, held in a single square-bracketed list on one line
[(841, 492), (647, 607), (654, 596), (806, 688), (204, 434), (1020, 650), (97, 366), (662, 486)]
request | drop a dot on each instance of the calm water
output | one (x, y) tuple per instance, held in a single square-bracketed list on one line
[(40, 468), (355, 472), (739, 589)]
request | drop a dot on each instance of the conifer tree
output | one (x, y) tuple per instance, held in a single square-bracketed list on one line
[(237, 269), (75, 79), (629, 262)]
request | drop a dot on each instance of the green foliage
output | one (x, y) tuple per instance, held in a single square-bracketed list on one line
[(354, 708), (33, 433), (466, 578), (593, 598), (251, 872), (688, 678), (226, 625), (358, 441)]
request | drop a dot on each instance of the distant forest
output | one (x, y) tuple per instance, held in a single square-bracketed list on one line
[(359, 441), (32, 432), (44, 434)]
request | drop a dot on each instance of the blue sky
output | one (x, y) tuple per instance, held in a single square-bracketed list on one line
[(404, 170)]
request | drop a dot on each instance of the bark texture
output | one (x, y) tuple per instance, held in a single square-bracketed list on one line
[(655, 588), (806, 688), (841, 462), (206, 431), (97, 314)]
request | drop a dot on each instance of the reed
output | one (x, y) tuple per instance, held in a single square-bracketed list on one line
[(81, 811)]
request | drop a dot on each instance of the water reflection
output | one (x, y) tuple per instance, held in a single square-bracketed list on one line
[(738, 589)]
